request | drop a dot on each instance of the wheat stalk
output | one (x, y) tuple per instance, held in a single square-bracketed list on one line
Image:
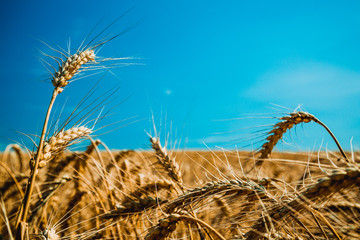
[(285, 124), (61, 78), (5, 218), (58, 143)]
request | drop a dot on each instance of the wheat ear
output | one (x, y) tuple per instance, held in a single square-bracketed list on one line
[(70, 67), (338, 180), (49, 192), (13, 176), (59, 142), (252, 190), (75, 199), (167, 161), (10, 182), (19, 153), (286, 123)]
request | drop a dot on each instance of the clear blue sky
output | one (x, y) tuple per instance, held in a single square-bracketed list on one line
[(202, 61)]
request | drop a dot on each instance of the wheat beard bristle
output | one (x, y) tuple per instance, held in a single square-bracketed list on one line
[(70, 67), (59, 142)]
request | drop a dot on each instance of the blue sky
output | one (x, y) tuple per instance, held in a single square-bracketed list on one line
[(200, 62)]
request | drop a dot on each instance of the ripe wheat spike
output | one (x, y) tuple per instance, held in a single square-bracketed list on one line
[(59, 142), (285, 124), (70, 67)]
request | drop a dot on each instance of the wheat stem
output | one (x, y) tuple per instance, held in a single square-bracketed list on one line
[(318, 223), (334, 138), (328, 224), (31, 183)]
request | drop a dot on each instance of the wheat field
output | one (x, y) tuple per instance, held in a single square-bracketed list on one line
[(55, 192)]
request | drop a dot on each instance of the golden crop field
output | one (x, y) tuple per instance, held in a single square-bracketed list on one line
[(181, 195), (53, 192)]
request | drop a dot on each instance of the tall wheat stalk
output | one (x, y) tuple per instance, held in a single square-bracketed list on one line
[(60, 79)]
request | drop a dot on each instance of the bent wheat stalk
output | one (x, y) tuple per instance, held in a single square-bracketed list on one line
[(12, 175), (286, 123)]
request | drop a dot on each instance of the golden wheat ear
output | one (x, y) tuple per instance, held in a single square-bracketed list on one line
[(70, 67), (167, 161), (67, 64), (284, 125), (59, 142)]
